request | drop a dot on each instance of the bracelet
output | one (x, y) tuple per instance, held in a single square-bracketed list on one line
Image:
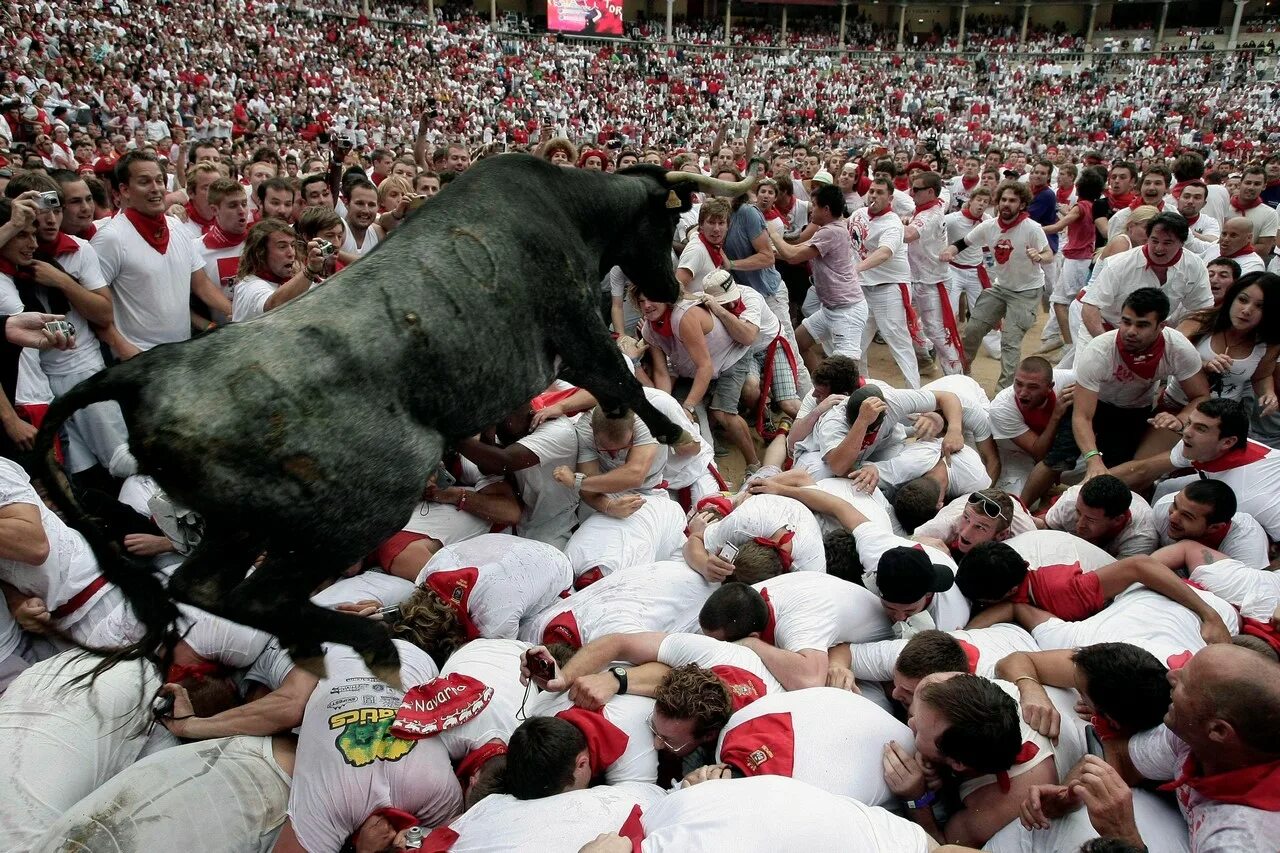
[(1027, 678), (1090, 455), (462, 501), (924, 801), (577, 481)]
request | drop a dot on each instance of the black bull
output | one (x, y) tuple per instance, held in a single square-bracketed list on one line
[(310, 432)]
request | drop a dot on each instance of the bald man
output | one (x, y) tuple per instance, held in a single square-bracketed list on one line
[(1236, 242)]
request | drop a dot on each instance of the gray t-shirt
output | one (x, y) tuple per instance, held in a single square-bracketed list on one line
[(745, 225)]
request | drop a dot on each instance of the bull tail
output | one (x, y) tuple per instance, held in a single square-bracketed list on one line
[(136, 579)]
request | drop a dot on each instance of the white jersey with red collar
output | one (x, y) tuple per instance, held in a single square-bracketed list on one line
[(811, 610), (1144, 618), (1253, 592), (1036, 749), (985, 647), (949, 610), (500, 579), (652, 533), (630, 716), (769, 814), (1253, 473), (664, 596), (763, 515), (1245, 541), (1186, 284), (1138, 536), (824, 736), (869, 233), (922, 253)]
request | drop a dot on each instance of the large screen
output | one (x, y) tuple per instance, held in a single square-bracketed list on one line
[(598, 17)]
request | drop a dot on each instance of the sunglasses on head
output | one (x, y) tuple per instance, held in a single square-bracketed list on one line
[(989, 507)]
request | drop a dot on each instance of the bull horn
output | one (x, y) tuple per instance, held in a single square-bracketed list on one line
[(712, 185)]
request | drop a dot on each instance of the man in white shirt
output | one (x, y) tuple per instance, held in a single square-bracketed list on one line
[(1204, 229), (221, 245), (1018, 250), (885, 273), (1235, 243), (1247, 202), (151, 266), (767, 535), (932, 292), (1104, 512), (1204, 513), (1025, 421), (269, 274), (362, 230)]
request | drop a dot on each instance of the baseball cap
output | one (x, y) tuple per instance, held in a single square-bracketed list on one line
[(906, 575), (822, 176), (721, 287)]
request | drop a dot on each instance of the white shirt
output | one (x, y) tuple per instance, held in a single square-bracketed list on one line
[(652, 533), (869, 233), (1007, 420), (680, 649), (1100, 369), (1013, 269), (922, 253), (1256, 484), (959, 224), (664, 596), (1216, 827), (1042, 548), (630, 715), (515, 579), (221, 266), (874, 507), (83, 266), (495, 664), (1138, 536), (823, 736), (549, 508), (949, 610), (763, 515), (1186, 284), (1246, 541), (682, 471), (1255, 592), (875, 661), (811, 610), (151, 292), (974, 403), (445, 522), (612, 460), (833, 426), (1248, 262), (249, 297), (349, 239), (346, 768), (697, 261)]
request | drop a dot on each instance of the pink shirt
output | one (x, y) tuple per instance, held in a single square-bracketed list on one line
[(835, 274)]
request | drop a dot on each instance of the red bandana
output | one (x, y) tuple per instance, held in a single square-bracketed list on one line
[(477, 758), (1236, 457), (268, 275), (196, 671), (773, 213), (1152, 265), (720, 502), (921, 208), (153, 229), (454, 588), (771, 626), (1247, 249), (1214, 540), (972, 655), (89, 231), (62, 245), (1143, 364), (7, 267), (871, 215), (1257, 787), (969, 183), (1038, 419), (1123, 200), (194, 216), (215, 239), (1245, 208), (1138, 202), (1064, 194), (662, 325), (550, 398), (744, 687), (716, 253), (563, 629), (1017, 220), (784, 555), (605, 741), (1028, 751), (969, 216)]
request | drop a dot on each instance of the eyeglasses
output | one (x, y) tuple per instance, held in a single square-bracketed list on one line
[(663, 742), (990, 508)]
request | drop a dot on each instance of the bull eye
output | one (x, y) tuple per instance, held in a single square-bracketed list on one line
[(411, 318)]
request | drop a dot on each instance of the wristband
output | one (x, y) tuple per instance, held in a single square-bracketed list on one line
[(462, 501), (577, 481), (923, 802), (1090, 455)]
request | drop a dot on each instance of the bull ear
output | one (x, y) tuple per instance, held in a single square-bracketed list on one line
[(673, 200)]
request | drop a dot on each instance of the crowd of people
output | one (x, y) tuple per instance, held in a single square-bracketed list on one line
[(925, 611)]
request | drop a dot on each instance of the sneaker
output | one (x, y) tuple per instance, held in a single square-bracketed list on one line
[(784, 424), (1053, 342)]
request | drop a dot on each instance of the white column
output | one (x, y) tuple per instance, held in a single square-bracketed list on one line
[(964, 8), (1164, 14), (671, 5), (1026, 17), (493, 12), (844, 11), (784, 25), (902, 23), (1235, 25), (1093, 18), (728, 20), (364, 8)]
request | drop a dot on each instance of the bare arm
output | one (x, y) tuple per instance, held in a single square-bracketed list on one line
[(794, 670), (278, 711), (209, 293), (493, 460), (816, 500), (695, 343), (1154, 575), (1086, 403), (630, 475), (875, 259), (22, 535), (599, 653), (763, 257), (1092, 318)]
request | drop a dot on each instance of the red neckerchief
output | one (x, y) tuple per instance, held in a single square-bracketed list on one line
[(884, 212), (784, 556), (969, 216), (1153, 265), (921, 208), (1017, 220), (1064, 194), (268, 275), (1214, 540), (194, 215), (1138, 202), (969, 183), (1257, 787), (605, 741), (61, 245), (7, 267), (1038, 419), (1247, 249), (771, 626), (744, 687), (1245, 208), (720, 502), (901, 182), (632, 828), (198, 671), (1234, 458), (773, 213), (662, 325), (1026, 752), (153, 229), (972, 655), (716, 253), (477, 758), (89, 231), (550, 398), (1143, 364), (735, 308), (869, 438), (216, 239), (1119, 201), (1192, 220), (455, 588), (399, 819)]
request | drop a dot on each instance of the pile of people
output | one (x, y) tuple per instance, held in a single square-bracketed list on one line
[(1031, 613)]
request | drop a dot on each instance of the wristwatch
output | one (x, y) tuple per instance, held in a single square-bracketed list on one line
[(577, 481), (620, 673), (923, 802)]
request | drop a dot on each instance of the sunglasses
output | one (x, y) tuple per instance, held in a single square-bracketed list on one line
[(989, 507)]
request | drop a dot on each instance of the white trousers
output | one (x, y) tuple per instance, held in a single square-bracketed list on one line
[(943, 334), (889, 315)]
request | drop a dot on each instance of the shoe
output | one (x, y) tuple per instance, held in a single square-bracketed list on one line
[(1050, 344), (784, 424), (879, 340)]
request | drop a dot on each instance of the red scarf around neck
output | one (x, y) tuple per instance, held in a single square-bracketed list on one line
[(62, 245), (1143, 364), (153, 229), (1138, 202), (662, 325), (1242, 207), (1038, 419), (773, 213), (716, 253), (921, 208), (7, 267), (1246, 249), (1153, 265), (778, 545), (969, 183), (1122, 200), (216, 239), (89, 231), (194, 215), (267, 275), (969, 216), (873, 215), (1017, 220), (1064, 194), (1257, 787)]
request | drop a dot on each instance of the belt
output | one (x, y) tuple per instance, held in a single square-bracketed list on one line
[(79, 600)]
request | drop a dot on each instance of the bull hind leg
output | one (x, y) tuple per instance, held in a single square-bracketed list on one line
[(269, 600), (592, 361), (212, 571)]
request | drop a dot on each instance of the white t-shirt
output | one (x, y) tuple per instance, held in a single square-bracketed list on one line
[(652, 533), (812, 610), (562, 823), (874, 507), (371, 585), (1186, 284), (630, 714), (680, 649), (1138, 536), (496, 664), (221, 265), (1056, 547), (1216, 827), (696, 260), (151, 292), (445, 522), (1008, 422), (757, 312), (681, 471), (1249, 262), (510, 579), (1100, 369), (549, 508), (833, 426), (1142, 617), (1013, 270), (610, 460), (70, 566), (763, 515), (988, 646), (869, 233), (86, 355), (664, 596), (974, 403), (949, 610), (349, 239), (832, 739), (349, 765), (1254, 592), (1246, 541), (744, 815), (249, 297), (922, 254), (1256, 483)]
